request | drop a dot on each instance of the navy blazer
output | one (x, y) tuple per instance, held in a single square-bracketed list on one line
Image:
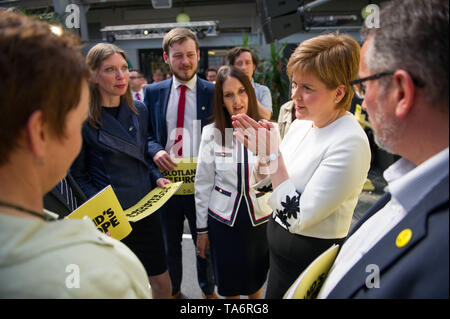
[(116, 154), (420, 269), (156, 100)]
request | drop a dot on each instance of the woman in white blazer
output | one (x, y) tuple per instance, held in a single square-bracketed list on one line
[(319, 169), (231, 216)]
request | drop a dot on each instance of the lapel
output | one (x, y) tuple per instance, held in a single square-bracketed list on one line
[(202, 101), (163, 98), (385, 253), (121, 134)]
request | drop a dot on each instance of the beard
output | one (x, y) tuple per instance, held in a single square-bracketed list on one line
[(387, 130), (184, 76), (382, 143)]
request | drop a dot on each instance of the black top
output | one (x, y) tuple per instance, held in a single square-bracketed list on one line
[(114, 111)]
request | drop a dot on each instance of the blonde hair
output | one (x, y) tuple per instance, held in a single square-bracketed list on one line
[(96, 55), (333, 58)]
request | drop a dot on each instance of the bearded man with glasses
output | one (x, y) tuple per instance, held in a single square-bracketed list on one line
[(403, 240)]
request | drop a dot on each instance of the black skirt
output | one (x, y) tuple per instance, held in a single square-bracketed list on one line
[(290, 254), (239, 254), (146, 241)]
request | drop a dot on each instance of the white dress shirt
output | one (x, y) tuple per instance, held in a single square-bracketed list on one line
[(408, 185), (192, 126), (141, 95)]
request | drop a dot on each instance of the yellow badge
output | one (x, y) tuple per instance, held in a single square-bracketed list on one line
[(404, 237)]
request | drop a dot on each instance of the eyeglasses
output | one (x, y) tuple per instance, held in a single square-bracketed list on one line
[(360, 88), (136, 77)]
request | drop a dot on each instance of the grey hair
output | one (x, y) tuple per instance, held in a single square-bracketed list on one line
[(414, 37)]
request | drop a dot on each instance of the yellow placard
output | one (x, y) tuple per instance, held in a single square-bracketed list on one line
[(183, 172), (151, 202), (308, 284), (106, 212)]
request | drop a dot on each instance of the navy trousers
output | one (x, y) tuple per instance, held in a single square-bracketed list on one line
[(172, 215)]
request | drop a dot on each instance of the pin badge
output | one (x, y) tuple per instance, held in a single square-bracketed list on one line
[(203, 108), (403, 238)]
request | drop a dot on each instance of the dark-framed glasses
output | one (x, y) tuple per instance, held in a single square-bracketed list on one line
[(360, 88)]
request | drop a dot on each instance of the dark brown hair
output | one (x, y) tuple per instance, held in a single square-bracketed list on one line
[(96, 55), (39, 70), (222, 117), (235, 52)]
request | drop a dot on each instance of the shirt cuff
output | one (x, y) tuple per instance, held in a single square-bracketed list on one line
[(264, 185), (202, 230)]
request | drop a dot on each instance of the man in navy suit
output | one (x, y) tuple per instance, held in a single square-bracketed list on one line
[(400, 248), (179, 108)]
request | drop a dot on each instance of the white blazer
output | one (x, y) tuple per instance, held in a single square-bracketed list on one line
[(222, 182)]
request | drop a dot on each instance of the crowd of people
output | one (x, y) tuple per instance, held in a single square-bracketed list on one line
[(267, 199)]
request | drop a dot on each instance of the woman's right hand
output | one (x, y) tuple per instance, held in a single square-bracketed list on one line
[(163, 160), (202, 244)]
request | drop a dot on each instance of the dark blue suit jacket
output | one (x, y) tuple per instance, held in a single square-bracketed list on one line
[(420, 269), (116, 154), (156, 100)]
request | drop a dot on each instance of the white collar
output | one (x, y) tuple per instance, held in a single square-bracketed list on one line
[(191, 84), (409, 184)]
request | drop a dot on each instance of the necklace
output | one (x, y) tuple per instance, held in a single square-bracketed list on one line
[(25, 210)]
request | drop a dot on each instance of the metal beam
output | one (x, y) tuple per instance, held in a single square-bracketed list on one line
[(27, 4), (156, 30)]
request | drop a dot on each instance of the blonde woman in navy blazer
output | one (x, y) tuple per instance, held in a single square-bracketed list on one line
[(231, 216), (115, 152)]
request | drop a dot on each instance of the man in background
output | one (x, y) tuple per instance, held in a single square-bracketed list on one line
[(211, 75), (137, 84), (245, 60)]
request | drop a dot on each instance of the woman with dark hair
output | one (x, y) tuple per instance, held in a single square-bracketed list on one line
[(231, 217), (115, 153)]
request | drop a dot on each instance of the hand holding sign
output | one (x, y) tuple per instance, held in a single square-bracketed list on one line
[(108, 216), (106, 212), (163, 160), (184, 172), (161, 182)]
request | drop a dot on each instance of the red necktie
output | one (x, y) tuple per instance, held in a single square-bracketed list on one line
[(138, 97), (180, 117)]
